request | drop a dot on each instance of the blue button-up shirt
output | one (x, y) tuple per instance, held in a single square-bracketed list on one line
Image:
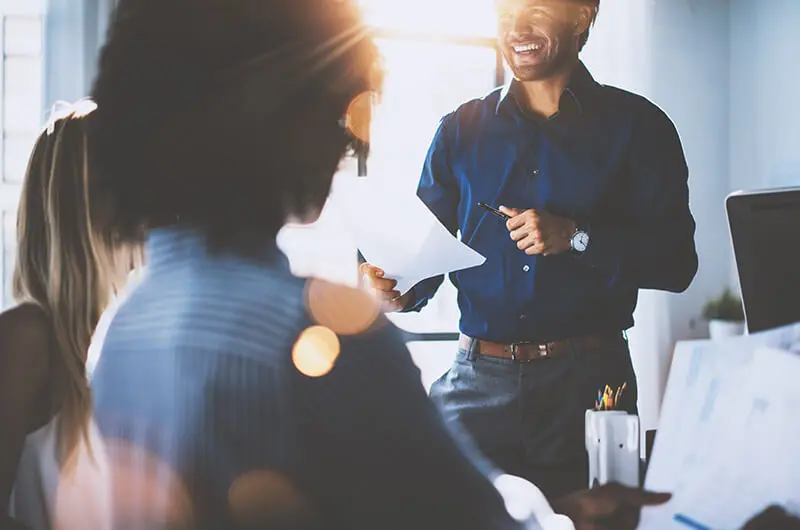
[(610, 160)]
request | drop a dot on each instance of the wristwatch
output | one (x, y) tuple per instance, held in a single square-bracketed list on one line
[(579, 241)]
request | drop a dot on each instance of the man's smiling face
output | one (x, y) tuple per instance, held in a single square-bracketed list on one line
[(540, 37)]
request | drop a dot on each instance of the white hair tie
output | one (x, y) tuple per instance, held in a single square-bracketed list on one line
[(65, 109)]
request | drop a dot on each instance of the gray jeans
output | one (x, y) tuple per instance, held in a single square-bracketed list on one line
[(528, 418)]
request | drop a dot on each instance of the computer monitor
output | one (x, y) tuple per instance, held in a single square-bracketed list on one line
[(765, 230)]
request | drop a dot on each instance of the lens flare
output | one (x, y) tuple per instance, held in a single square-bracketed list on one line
[(83, 498), (146, 492), (315, 352), (358, 117), (344, 310), (267, 499)]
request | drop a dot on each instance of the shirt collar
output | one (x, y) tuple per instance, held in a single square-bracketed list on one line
[(579, 88)]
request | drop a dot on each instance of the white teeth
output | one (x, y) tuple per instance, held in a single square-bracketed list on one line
[(527, 48)]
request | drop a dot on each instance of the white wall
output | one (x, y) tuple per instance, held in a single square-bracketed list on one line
[(726, 72), (764, 109), (676, 53)]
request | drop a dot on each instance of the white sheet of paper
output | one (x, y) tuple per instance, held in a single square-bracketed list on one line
[(726, 445), (395, 231)]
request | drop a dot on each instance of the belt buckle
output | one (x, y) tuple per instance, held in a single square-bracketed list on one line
[(544, 351), (515, 352)]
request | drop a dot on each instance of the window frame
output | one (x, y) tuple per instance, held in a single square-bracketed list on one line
[(10, 181)]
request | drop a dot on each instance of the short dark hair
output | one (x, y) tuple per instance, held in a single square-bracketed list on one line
[(584, 37), (225, 114)]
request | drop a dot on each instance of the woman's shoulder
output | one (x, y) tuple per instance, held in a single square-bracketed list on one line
[(25, 321), (26, 341)]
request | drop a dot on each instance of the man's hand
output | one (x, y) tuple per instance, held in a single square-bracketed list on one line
[(539, 232), (773, 518), (612, 507), (383, 288)]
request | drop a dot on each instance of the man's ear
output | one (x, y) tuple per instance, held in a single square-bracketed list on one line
[(584, 20)]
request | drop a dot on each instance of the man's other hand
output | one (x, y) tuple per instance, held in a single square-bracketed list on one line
[(609, 507), (539, 232), (383, 289), (773, 518)]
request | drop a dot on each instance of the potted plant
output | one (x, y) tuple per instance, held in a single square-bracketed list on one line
[(725, 316)]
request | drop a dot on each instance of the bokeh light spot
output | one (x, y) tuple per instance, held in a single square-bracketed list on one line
[(266, 499), (146, 491), (359, 115), (344, 310), (316, 350), (82, 498)]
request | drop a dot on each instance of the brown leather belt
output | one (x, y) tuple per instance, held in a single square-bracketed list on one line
[(525, 352)]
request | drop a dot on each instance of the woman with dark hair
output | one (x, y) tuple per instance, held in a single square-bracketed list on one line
[(231, 392), (255, 397)]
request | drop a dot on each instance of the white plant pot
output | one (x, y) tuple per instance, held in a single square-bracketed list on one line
[(720, 329)]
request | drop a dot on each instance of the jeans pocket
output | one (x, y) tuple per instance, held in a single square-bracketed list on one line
[(463, 357), (444, 384)]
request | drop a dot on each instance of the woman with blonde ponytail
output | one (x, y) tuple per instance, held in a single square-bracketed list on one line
[(64, 278)]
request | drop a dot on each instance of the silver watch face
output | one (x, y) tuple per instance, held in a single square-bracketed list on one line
[(580, 241)]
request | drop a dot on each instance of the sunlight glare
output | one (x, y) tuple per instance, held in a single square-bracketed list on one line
[(475, 18)]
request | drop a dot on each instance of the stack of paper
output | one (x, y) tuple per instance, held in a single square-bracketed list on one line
[(395, 231), (727, 446)]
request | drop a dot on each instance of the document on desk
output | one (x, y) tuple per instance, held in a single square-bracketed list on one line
[(395, 231), (726, 446)]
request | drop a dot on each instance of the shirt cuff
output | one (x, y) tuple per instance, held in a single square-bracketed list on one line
[(421, 294), (413, 304), (527, 504)]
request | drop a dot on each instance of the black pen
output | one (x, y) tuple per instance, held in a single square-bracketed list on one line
[(495, 211)]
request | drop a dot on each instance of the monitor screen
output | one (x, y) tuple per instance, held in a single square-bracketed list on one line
[(765, 229)]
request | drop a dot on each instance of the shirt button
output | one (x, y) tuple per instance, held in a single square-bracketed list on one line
[(534, 172), (522, 316), (526, 268)]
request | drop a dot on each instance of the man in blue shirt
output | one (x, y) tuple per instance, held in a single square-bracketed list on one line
[(592, 185)]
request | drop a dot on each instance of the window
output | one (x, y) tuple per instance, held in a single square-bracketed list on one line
[(434, 62), (440, 19), (21, 92)]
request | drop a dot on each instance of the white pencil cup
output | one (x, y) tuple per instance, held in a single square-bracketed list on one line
[(612, 442)]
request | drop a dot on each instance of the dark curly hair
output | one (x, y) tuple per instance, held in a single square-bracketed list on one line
[(584, 37), (226, 114)]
